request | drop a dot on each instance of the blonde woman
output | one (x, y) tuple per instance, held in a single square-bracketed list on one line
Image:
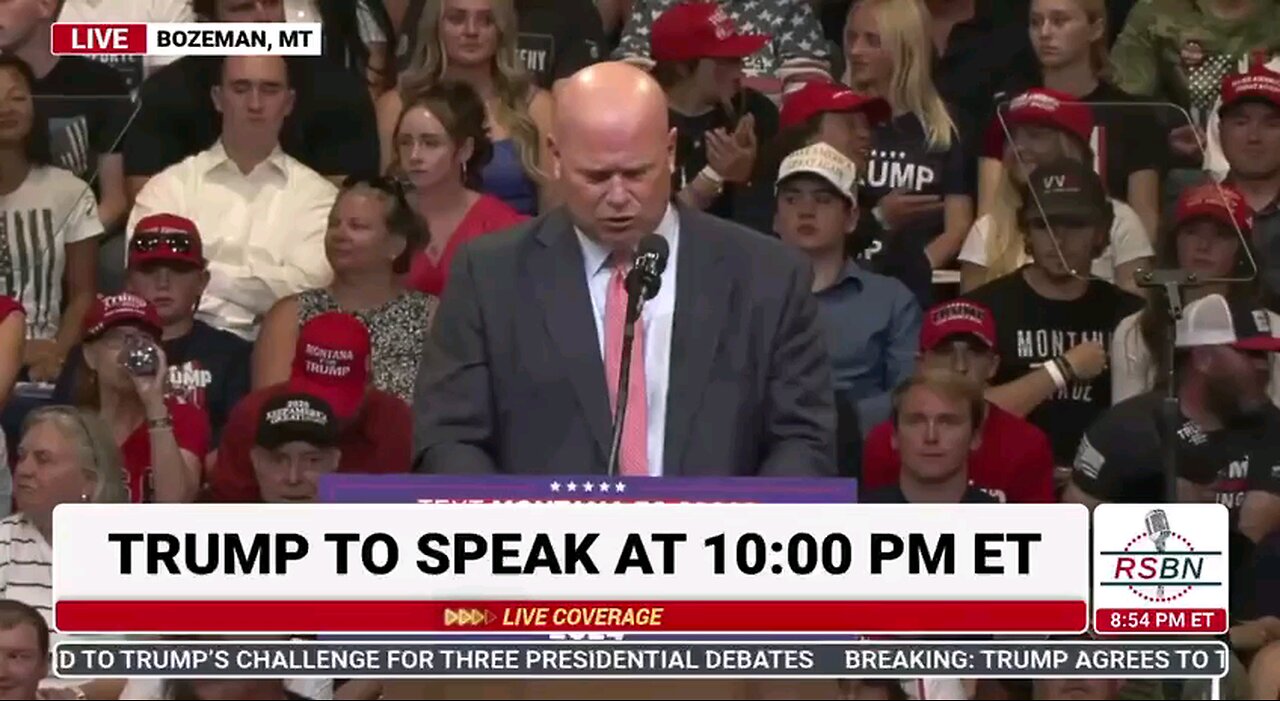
[(1046, 126), (66, 456), (1070, 42), (474, 41), (919, 174)]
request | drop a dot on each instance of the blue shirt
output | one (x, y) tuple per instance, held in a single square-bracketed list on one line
[(656, 319), (872, 324)]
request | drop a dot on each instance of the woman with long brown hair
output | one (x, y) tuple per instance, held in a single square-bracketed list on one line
[(441, 149), (474, 41)]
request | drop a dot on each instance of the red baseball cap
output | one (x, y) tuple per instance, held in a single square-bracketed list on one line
[(1258, 83), (1222, 203), (331, 361), (822, 96), (1040, 107), (959, 316), (124, 308), (166, 237), (693, 30)]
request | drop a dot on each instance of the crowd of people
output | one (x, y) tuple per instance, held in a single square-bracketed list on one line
[(960, 250)]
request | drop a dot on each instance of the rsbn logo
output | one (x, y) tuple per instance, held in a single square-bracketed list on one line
[(1159, 564)]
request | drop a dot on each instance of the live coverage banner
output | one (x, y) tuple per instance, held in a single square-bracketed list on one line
[(577, 566)]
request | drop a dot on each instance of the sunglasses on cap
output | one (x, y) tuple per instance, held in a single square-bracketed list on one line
[(146, 243), (390, 186)]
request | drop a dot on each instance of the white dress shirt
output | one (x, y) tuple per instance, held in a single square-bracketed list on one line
[(263, 232), (656, 320)]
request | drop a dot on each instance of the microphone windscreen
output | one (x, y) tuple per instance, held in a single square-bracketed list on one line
[(656, 246)]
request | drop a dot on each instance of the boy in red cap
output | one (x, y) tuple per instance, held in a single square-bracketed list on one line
[(720, 124), (1013, 461), (208, 367), (1249, 130), (331, 363), (122, 376), (799, 52)]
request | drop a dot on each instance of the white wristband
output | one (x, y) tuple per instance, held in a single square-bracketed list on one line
[(1055, 373), (710, 174)]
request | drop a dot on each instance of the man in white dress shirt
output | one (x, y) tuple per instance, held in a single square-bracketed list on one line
[(262, 213)]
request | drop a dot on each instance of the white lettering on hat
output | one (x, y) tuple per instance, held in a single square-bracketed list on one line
[(1255, 82), (826, 162), (124, 300), (297, 411), (958, 311), (321, 353), (1035, 100)]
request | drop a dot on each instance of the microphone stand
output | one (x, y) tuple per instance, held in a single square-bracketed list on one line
[(1172, 282), (635, 304)]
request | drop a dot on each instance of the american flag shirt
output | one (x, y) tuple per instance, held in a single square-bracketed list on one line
[(798, 43)]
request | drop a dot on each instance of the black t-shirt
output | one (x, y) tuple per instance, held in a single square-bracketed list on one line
[(691, 145), (1125, 139), (557, 37), (1120, 457), (332, 129), (901, 158), (88, 105), (208, 368), (132, 69), (1031, 329), (894, 495)]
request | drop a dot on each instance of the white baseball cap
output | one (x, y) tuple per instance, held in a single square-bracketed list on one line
[(824, 161), (1211, 321)]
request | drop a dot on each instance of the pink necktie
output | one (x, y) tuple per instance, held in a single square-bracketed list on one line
[(633, 457)]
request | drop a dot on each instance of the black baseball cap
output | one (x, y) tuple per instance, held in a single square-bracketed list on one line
[(1066, 190), (301, 418)]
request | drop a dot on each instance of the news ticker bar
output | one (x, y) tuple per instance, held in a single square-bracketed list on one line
[(613, 659)]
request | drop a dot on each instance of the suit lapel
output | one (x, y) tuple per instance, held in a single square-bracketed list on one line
[(702, 298), (559, 281)]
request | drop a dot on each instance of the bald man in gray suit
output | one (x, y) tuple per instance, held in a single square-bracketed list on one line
[(730, 374)]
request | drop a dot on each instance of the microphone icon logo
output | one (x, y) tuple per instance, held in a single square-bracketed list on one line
[(1158, 531)]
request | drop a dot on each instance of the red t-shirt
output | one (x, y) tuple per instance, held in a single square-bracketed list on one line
[(378, 442), (487, 215), (1014, 461), (190, 428)]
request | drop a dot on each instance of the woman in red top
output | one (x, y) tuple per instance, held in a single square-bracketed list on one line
[(441, 147), (162, 441)]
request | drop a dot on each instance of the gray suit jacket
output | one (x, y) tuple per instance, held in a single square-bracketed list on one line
[(512, 380)]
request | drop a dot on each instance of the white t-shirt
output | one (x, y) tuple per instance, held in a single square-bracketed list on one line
[(26, 565), (1129, 242), (50, 209), (1131, 369)]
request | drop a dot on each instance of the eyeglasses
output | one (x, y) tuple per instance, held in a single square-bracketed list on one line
[(178, 243)]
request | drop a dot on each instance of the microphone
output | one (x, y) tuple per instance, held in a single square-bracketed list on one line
[(643, 282), (645, 278), (1159, 532)]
